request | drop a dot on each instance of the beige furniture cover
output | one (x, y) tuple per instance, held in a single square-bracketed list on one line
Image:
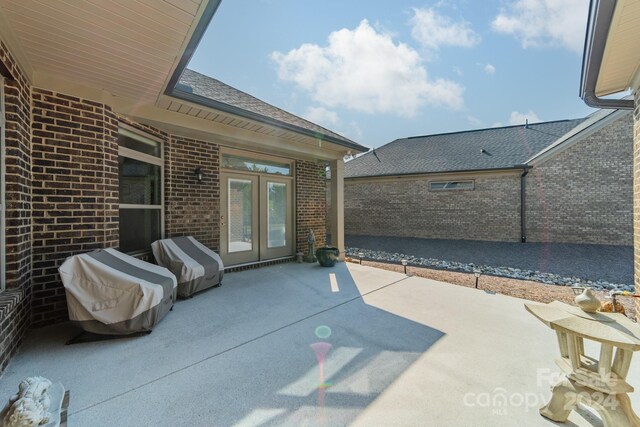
[(109, 292), (196, 266)]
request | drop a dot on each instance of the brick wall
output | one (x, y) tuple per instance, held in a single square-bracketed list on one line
[(407, 208), (636, 198), (15, 301), (75, 191), (192, 207), (310, 204), (584, 194)]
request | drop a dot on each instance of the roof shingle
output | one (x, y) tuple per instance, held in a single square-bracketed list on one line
[(482, 149)]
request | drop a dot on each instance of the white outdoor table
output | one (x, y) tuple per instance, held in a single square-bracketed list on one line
[(598, 383)]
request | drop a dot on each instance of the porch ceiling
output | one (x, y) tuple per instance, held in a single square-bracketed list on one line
[(126, 48), (621, 55)]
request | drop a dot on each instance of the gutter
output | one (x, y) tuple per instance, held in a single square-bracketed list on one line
[(598, 25), (420, 174), (523, 203)]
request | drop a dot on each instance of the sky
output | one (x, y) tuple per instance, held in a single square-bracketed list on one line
[(375, 71)]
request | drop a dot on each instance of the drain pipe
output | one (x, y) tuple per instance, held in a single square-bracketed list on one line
[(523, 203)]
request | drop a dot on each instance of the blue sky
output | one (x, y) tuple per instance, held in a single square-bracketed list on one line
[(375, 71)]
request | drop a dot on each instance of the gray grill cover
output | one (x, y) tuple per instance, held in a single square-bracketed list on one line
[(196, 266), (109, 292)]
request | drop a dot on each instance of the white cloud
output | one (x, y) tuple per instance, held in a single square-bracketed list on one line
[(475, 121), (433, 30), (354, 131), (330, 120), (490, 69), (518, 118), (496, 125), (538, 23), (321, 116), (458, 71), (364, 70)]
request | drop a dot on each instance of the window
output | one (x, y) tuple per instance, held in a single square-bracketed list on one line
[(451, 185), (141, 170), (2, 205), (239, 162)]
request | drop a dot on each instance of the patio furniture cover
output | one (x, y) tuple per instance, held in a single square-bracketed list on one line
[(196, 266), (112, 293)]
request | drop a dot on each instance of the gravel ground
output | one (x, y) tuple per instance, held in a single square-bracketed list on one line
[(533, 291), (594, 262)]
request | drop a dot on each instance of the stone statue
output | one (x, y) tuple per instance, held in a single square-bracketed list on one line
[(30, 406), (311, 239)]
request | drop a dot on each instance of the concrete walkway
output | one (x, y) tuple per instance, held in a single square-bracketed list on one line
[(399, 351), (613, 264)]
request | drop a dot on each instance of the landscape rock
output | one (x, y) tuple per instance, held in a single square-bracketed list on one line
[(501, 271)]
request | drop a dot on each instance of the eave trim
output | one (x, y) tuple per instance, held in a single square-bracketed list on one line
[(598, 26), (418, 174), (221, 106)]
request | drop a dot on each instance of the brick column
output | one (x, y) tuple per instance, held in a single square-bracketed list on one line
[(74, 191), (311, 210), (15, 300), (337, 205)]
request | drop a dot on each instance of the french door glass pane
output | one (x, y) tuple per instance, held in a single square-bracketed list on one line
[(240, 215), (276, 214)]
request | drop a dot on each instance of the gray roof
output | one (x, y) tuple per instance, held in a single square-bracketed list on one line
[(482, 149), (213, 93)]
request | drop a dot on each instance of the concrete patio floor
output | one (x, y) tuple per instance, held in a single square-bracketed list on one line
[(404, 351)]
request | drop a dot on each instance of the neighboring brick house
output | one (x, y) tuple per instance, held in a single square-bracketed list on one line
[(576, 176), (108, 141)]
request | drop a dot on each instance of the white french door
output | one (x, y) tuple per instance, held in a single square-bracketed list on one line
[(256, 220)]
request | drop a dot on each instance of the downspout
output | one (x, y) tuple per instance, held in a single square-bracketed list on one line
[(523, 203), (600, 16)]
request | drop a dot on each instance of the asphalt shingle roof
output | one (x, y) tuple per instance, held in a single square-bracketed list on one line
[(493, 148), (215, 90)]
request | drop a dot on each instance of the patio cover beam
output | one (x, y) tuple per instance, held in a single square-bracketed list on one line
[(337, 205)]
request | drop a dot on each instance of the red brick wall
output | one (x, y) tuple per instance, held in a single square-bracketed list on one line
[(75, 191), (192, 207), (16, 299), (310, 204)]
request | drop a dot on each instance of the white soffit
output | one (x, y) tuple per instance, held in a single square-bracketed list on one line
[(621, 55), (124, 47)]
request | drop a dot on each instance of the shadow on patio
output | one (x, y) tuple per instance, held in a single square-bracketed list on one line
[(239, 355)]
